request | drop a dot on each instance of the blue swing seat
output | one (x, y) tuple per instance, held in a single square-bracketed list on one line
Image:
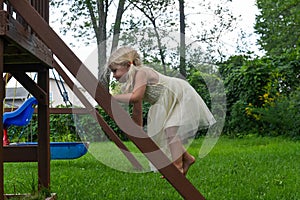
[(64, 150), (22, 115)]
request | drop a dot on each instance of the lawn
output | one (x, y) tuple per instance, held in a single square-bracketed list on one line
[(249, 168)]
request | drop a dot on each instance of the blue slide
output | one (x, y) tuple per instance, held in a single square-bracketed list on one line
[(19, 117)]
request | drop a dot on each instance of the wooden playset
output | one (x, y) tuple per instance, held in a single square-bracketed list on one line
[(28, 44)]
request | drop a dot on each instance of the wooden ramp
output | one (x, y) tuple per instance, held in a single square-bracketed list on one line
[(104, 99)]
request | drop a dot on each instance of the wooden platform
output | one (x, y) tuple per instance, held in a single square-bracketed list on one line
[(22, 48)]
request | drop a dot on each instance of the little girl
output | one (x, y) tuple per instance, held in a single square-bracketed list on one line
[(176, 112)]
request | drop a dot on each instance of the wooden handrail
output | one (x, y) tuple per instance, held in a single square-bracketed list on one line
[(41, 6)]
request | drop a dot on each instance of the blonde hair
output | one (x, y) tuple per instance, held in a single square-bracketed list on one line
[(126, 56)]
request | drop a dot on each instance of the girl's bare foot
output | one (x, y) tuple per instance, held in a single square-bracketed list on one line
[(188, 161), (179, 164)]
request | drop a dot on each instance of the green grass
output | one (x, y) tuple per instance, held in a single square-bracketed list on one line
[(249, 168)]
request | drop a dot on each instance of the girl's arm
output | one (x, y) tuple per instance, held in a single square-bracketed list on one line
[(138, 91), (136, 97), (137, 113), (137, 110)]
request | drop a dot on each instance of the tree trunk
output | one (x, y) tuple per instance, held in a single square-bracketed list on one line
[(161, 51), (101, 42), (117, 26), (182, 47)]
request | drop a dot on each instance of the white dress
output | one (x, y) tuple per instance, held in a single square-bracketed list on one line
[(174, 102)]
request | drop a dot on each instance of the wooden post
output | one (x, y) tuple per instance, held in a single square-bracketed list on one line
[(1, 119), (44, 131)]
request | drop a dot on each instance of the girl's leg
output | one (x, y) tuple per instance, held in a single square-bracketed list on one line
[(176, 147)]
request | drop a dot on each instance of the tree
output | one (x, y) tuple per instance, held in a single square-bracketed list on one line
[(207, 24), (153, 28), (153, 10), (278, 25), (87, 19), (202, 37)]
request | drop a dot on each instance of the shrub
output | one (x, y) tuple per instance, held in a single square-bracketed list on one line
[(282, 117)]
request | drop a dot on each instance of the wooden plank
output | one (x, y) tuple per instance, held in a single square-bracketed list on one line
[(105, 100), (32, 87), (14, 153), (32, 67), (69, 111), (11, 48), (20, 59), (17, 55), (3, 22)]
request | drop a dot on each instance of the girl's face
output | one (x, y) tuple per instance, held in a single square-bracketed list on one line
[(119, 72)]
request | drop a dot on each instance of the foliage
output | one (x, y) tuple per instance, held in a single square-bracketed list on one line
[(87, 128), (128, 108), (247, 79), (203, 79), (244, 81), (77, 18), (266, 85), (62, 128), (278, 25), (112, 124), (280, 116), (195, 78)]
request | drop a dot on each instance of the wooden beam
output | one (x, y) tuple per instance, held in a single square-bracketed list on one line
[(24, 67), (58, 110), (69, 111), (14, 153), (105, 100), (32, 87)]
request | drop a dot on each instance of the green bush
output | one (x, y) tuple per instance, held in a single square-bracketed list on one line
[(239, 123), (281, 117)]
